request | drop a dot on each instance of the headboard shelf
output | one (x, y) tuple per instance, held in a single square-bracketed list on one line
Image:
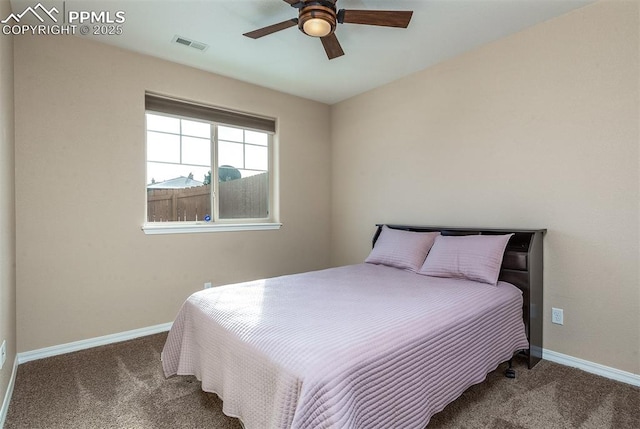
[(521, 266)]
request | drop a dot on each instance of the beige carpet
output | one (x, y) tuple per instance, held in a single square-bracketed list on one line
[(122, 386)]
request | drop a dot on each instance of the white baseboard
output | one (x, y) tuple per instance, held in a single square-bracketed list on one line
[(91, 342), (594, 368), (8, 393)]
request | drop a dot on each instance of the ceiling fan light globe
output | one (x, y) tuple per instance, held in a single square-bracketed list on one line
[(317, 27)]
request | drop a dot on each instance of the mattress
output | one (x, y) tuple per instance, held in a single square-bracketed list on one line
[(360, 346)]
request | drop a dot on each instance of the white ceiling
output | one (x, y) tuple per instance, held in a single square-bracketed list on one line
[(291, 62)]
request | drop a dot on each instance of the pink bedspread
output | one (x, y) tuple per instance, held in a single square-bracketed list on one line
[(361, 346)]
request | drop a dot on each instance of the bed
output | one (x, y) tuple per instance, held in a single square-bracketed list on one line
[(369, 345)]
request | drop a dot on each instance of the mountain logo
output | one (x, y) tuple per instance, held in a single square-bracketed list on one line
[(33, 11)]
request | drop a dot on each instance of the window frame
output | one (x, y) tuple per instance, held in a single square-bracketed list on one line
[(216, 224)]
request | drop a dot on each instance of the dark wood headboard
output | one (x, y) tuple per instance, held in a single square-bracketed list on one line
[(521, 266)]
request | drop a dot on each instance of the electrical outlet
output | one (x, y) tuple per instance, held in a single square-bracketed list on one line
[(207, 285), (557, 316), (3, 353)]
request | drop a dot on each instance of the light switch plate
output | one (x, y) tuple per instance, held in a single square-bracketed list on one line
[(557, 316)]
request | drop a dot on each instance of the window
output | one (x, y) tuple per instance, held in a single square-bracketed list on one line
[(207, 169)]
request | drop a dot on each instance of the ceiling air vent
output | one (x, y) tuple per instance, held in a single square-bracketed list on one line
[(190, 43)]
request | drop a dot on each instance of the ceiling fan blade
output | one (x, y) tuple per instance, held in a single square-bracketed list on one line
[(332, 46), (265, 31), (384, 18)]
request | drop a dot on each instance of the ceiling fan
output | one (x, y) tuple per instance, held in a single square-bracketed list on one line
[(318, 18)]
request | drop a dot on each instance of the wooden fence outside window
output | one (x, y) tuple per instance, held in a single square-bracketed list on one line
[(246, 198)]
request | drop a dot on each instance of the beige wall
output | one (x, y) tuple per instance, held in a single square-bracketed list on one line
[(537, 130), (7, 207), (84, 267)]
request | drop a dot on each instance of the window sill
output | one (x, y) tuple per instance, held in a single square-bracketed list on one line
[(190, 228)]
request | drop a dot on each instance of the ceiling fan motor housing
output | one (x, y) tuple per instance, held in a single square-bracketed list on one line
[(312, 11)]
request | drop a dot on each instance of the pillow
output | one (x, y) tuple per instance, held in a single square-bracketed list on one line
[(401, 249), (472, 257)]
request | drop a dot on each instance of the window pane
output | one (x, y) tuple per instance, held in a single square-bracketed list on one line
[(228, 133), (196, 151), (177, 193), (230, 154), (256, 137), (257, 157), (196, 129), (163, 123), (244, 198), (159, 172), (163, 147)]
